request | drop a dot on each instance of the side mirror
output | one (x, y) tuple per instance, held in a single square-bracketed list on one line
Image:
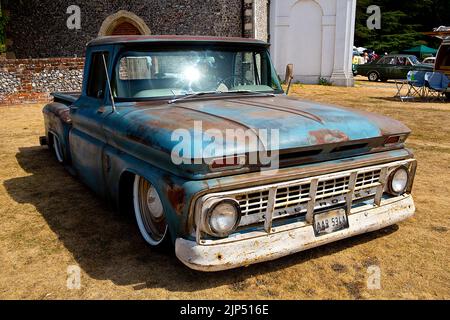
[(289, 76)]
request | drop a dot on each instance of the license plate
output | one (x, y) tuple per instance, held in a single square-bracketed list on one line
[(329, 222)]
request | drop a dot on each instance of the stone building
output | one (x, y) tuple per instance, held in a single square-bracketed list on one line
[(48, 28)]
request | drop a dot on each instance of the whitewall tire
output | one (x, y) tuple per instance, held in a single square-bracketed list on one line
[(57, 148), (149, 212)]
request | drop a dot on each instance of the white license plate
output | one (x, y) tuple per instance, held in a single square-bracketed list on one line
[(329, 222)]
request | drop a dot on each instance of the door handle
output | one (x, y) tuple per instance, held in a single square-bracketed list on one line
[(73, 108)]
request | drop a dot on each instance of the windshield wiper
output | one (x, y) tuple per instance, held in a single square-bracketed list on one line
[(193, 95)]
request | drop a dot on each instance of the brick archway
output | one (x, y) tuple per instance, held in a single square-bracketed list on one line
[(123, 23), (125, 28)]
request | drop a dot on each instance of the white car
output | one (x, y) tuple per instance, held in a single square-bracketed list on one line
[(429, 60)]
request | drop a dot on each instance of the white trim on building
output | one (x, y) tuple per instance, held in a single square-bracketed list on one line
[(316, 36)]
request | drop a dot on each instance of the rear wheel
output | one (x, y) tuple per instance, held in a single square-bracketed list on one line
[(57, 149), (149, 213), (373, 76)]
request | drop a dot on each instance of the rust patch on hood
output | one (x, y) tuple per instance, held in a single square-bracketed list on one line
[(326, 136)]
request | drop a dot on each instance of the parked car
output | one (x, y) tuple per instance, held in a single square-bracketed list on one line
[(392, 67), (338, 172), (429, 60), (443, 60)]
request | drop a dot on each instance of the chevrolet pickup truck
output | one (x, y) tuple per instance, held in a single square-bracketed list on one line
[(145, 131)]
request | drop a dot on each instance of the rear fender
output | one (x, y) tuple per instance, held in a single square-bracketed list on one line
[(57, 122)]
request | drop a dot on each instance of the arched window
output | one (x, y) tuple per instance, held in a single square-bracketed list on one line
[(123, 23)]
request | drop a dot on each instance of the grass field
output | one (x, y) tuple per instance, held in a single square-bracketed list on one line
[(50, 221)]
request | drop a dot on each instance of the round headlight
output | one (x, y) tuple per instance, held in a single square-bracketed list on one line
[(223, 218), (398, 181)]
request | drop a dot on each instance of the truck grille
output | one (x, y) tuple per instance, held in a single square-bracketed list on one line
[(261, 205), (293, 199)]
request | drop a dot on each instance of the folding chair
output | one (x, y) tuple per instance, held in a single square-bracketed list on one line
[(416, 81), (437, 84)]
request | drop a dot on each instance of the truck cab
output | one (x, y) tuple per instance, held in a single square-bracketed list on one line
[(197, 139)]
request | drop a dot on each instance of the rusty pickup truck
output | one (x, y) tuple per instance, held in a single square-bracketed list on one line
[(196, 138)]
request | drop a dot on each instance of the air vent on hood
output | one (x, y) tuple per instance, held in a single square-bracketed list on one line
[(350, 147), (299, 154)]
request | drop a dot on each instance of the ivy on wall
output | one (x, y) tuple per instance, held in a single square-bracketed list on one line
[(3, 22)]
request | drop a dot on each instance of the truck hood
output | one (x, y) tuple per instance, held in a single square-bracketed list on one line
[(301, 125)]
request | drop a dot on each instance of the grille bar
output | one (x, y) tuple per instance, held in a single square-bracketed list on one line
[(269, 212), (312, 201), (351, 191)]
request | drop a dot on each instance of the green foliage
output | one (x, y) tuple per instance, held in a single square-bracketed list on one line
[(402, 24), (324, 82), (3, 22)]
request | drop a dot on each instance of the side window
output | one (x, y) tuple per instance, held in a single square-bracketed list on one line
[(97, 75)]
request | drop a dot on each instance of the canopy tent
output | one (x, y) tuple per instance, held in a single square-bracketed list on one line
[(421, 51)]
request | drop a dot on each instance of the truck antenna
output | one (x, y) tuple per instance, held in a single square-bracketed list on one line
[(109, 84)]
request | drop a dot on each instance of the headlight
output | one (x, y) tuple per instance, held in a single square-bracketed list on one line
[(222, 218), (398, 181)]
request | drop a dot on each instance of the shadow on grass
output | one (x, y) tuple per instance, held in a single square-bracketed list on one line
[(413, 100), (107, 246)]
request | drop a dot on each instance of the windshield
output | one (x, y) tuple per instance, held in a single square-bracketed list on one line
[(414, 60), (153, 74)]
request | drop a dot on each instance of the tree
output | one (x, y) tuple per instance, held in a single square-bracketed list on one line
[(402, 23)]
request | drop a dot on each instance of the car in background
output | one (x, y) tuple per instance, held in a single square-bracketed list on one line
[(429, 60), (443, 60), (392, 67)]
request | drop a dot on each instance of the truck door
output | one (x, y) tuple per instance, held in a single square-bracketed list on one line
[(87, 138)]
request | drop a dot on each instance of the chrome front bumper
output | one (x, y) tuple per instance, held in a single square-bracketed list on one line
[(285, 240)]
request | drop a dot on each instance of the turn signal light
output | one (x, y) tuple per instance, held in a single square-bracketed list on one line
[(394, 139)]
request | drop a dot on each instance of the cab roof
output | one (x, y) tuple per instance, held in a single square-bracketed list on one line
[(172, 39)]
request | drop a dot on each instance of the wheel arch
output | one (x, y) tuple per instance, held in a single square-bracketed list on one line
[(376, 71), (62, 142), (125, 196)]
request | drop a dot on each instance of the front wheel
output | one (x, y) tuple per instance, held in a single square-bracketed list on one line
[(373, 76), (447, 95), (149, 212)]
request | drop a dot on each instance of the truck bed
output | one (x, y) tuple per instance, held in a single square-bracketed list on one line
[(66, 97)]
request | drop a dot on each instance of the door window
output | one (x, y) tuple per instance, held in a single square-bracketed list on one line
[(97, 75)]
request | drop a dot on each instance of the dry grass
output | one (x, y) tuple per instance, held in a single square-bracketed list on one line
[(49, 221)]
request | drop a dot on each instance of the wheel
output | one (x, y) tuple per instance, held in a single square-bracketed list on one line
[(373, 76), (149, 213), (447, 95), (57, 148)]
